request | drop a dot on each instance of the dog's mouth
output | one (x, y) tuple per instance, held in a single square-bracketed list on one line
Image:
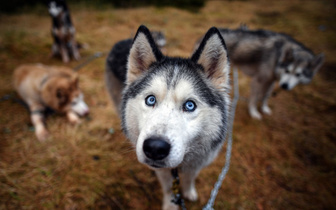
[(156, 164), (79, 106)]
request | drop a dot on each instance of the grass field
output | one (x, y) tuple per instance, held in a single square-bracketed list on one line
[(285, 161)]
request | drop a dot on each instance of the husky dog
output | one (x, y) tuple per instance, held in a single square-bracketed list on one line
[(268, 56), (116, 65), (43, 87), (175, 110), (62, 31)]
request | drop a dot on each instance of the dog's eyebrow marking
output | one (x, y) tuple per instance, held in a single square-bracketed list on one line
[(172, 76), (175, 73)]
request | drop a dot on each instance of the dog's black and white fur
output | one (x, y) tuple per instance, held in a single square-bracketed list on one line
[(116, 65), (63, 31), (175, 110)]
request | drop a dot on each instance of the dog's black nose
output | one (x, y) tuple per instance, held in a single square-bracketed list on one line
[(156, 148), (284, 86)]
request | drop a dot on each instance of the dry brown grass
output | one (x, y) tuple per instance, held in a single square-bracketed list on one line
[(286, 161)]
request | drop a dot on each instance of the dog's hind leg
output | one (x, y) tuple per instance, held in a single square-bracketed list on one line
[(188, 185), (165, 177)]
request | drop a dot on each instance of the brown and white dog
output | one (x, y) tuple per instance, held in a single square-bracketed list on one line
[(51, 87)]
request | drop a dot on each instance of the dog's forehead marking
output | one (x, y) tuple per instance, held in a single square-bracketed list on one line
[(299, 69), (294, 69), (176, 87), (291, 67), (183, 90), (172, 74), (175, 73), (158, 87)]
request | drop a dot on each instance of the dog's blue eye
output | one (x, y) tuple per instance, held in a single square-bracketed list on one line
[(189, 106), (150, 100)]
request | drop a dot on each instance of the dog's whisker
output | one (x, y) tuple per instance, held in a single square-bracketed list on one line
[(123, 152)]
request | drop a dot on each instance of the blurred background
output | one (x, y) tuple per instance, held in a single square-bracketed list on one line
[(285, 161)]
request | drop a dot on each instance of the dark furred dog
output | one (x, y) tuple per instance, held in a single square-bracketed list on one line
[(63, 31)]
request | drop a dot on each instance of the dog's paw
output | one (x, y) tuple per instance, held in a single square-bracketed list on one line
[(77, 57), (170, 206), (65, 59), (255, 115), (266, 110), (75, 121), (42, 134), (191, 194), (73, 118)]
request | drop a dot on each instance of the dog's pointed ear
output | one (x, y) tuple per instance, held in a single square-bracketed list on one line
[(143, 53), (287, 56), (213, 57), (75, 80), (317, 62)]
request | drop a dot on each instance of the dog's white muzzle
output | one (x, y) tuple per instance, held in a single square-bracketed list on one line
[(79, 106)]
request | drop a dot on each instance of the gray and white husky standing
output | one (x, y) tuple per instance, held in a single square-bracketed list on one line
[(175, 110), (268, 57)]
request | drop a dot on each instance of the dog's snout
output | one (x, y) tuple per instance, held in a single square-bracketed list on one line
[(284, 86), (86, 112), (156, 148)]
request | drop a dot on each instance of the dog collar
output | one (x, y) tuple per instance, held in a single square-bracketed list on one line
[(44, 80)]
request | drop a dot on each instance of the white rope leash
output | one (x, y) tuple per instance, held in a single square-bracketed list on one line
[(89, 59), (221, 177)]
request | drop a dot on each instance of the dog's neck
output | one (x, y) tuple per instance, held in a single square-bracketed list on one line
[(44, 81)]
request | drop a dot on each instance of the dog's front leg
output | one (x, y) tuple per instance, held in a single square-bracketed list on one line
[(254, 98), (54, 50), (41, 131), (188, 184), (165, 177), (38, 120), (74, 49), (73, 117), (73, 43), (64, 53), (267, 92)]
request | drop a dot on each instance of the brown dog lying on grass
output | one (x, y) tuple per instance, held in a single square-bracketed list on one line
[(52, 87)]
